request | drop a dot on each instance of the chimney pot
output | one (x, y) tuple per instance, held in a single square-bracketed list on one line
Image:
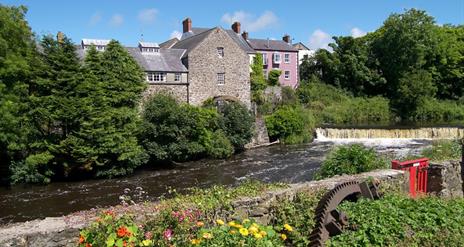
[(236, 27), (245, 35), (187, 25), (286, 38)]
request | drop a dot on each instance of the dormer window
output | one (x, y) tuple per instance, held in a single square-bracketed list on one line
[(149, 48), (100, 44)]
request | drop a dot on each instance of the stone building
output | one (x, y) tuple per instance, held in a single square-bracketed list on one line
[(218, 63)]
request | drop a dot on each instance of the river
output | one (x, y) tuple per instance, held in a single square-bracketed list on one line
[(279, 163)]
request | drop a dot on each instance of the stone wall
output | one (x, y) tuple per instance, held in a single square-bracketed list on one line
[(444, 179), (205, 63), (178, 91), (64, 231), (260, 136)]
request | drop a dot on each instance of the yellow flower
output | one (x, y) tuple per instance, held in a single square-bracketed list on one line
[(232, 223), (195, 241), (258, 236), (246, 221), (263, 233), (207, 235), (220, 222), (238, 226), (200, 224), (243, 231), (288, 227), (253, 229), (283, 236), (147, 242), (255, 225)]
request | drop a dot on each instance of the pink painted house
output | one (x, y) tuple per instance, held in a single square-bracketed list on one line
[(280, 55)]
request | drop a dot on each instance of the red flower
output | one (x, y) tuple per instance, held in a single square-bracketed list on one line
[(122, 231), (81, 239), (124, 243), (88, 245)]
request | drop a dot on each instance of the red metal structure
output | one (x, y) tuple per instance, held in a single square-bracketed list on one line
[(417, 174)]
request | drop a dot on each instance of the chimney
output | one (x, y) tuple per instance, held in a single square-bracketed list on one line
[(236, 27), (60, 37), (286, 38), (245, 35), (187, 23)]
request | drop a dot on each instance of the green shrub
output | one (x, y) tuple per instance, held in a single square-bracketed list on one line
[(350, 159), (290, 124), (237, 124), (397, 220), (442, 150), (438, 111), (289, 96), (218, 146), (273, 77)]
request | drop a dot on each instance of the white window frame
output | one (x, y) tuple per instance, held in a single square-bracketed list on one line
[(287, 75), (264, 55), (178, 77), (220, 51), (156, 77), (287, 58), (276, 58), (221, 78)]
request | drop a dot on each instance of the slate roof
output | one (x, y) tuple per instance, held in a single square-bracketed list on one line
[(167, 60), (191, 42), (271, 45), (169, 43), (235, 36), (301, 46)]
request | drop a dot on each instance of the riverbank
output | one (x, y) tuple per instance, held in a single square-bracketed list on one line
[(64, 231)]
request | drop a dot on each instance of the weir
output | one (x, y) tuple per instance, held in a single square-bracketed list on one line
[(429, 133)]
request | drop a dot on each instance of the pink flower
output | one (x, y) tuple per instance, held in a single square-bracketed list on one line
[(167, 234), (148, 235)]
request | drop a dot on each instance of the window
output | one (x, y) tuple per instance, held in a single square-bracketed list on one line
[(277, 58), (220, 51), (264, 58), (177, 77), (100, 48), (221, 78), (286, 58), (156, 76), (287, 75)]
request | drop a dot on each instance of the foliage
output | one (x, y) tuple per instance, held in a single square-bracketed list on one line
[(438, 111), (219, 146), (257, 80), (237, 124), (442, 150), (397, 220), (290, 124), (109, 230), (299, 212), (350, 159), (181, 219), (273, 77), (175, 132), (17, 68), (245, 233), (331, 105), (289, 96), (409, 59)]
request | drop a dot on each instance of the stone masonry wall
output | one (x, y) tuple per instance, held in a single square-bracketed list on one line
[(178, 91), (205, 63), (444, 179), (64, 231)]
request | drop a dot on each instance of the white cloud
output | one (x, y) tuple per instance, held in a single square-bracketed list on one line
[(320, 39), (175, 34), (147, 16), (95, 19), (356, 32), (249, 22), (116, 20)]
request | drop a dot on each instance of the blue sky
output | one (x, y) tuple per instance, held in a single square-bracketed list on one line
[(310, 22)]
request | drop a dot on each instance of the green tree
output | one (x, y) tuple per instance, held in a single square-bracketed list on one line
[(273, 77), (257, 80), (17, 59)]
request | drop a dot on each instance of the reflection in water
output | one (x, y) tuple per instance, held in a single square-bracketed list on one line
[(291, 164)]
